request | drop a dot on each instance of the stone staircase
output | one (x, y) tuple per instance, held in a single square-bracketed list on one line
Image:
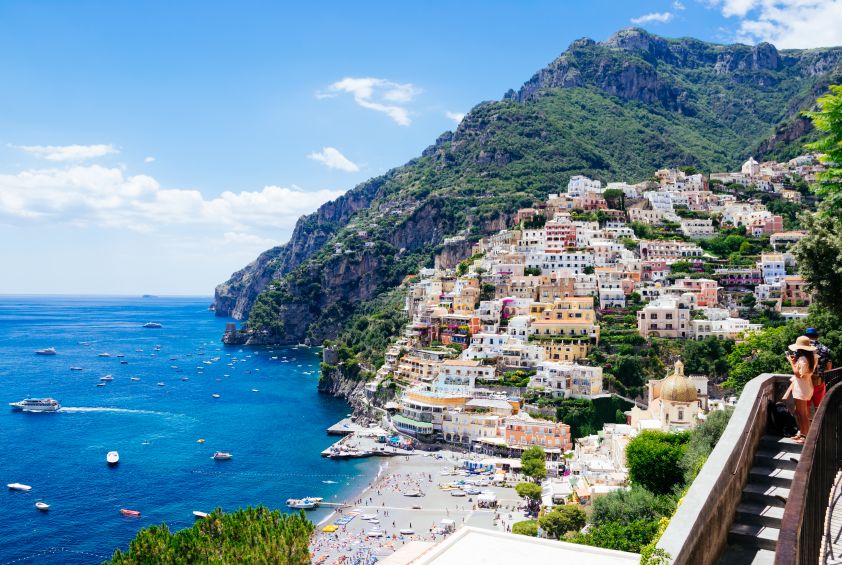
[(754, 532)]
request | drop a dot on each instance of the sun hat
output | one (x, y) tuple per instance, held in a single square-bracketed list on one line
[(803, 343), (811, 332)]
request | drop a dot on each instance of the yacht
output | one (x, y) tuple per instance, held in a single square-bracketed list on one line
[(112, 457), (222, 456), (36, 405), (152, 325), (20, 487), (47, 351)]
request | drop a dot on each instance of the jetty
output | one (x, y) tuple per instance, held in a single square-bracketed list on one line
[(359, 441), (344, 427)]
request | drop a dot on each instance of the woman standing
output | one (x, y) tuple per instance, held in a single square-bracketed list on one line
[(802, 357)]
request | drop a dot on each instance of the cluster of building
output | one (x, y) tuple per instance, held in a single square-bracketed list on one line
[(527, 300)]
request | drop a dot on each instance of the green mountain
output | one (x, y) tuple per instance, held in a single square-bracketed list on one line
[(615, 110)]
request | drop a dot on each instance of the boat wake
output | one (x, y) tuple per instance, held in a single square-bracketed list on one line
[(113, 410)]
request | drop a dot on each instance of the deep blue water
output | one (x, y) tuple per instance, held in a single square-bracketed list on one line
[(275, 434)]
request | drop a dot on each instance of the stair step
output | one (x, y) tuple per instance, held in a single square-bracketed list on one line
[(751, 535), (782, 443), (759, 514), (771, 476), (769, 495), (777, 458), (747, 556)]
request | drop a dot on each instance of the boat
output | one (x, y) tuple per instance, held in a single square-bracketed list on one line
[(413, 493), (199, 514), (47, 351), (75, 368), (407, 532), (103, 355), (124, 362), (112, 457), (120, 356), (215, 395), (20, 487), (42, 506), (135, 379), (161, 384), (36, 405), (200, 440), (185, 378), (130, 513), (107, 378), (100, 384), (222, 456), (152, 325), (303, 503)]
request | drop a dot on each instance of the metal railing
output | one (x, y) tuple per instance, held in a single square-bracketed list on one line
[(803, 523)]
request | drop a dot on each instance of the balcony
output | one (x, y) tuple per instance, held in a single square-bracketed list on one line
[(761, 498)]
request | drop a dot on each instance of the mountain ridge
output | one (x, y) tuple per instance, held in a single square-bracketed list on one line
[(615, 110)]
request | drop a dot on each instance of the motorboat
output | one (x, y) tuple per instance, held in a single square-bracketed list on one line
[(135, 379), (161, 384), (36, 405), (185, 378), (120, 356), (75, 368), (103, 355), (413, 493), (124, 362), (222, 456), (200, 440), (47, 351), (112, 457), (198, 514), (42, 506), (303, 503), (100, 384), (130, 513), (19, 487), (107, 378), (152, 325), (215, 395), (407, 532)]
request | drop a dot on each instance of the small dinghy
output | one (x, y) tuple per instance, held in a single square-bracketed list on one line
[(222, 456), (112, 458), (130, 513), (42, 506)]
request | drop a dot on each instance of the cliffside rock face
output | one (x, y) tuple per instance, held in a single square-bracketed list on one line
[(333, 381), (235, 297)]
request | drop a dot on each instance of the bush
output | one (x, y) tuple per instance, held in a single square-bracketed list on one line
[(653, 460), (526, 528), (563, 519), (628, 506), (631, 536), (702, 441)]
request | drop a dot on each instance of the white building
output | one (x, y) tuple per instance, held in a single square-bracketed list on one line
[(567, 379)]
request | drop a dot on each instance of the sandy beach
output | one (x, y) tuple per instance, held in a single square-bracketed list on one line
[(384, 501)]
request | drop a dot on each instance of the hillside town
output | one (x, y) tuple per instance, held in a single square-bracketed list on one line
[(494, 342)]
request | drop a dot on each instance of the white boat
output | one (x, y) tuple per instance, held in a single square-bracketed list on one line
[(42, 506), (100, 384), (103, 355), (303, 503), (161, 384), (152, 325), (112, 457), (47, 351), (199, 514), (375, 534), (107, 378), (413, 493), (215, 395), (135, 379), (407, 532), (75, 368), (19, 486), (36, 405), (222, 456)]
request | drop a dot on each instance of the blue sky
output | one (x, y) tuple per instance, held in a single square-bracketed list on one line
[(155, 147)]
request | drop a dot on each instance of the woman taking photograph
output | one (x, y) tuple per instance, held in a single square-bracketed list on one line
[(802, 357)]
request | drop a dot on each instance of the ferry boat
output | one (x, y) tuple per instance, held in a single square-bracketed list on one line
[(47, 351), (222, 456), (19, 486), (112, 458), (152, 325), (36, 405), (303, 503)]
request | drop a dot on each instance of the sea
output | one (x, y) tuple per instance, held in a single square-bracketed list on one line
[(268, 415)]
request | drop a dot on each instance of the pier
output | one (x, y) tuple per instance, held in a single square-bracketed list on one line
[(359, 441), (344, 427)]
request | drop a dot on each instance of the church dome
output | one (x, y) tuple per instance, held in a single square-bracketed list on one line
[(677, 387)]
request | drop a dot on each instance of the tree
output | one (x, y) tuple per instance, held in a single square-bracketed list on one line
[(653, 457), (563, 519), (615, 198), (702, 442), (622, 536), (250, 535), (630, 505), (828, 119), (531, 492), (534, 463), (761, 352)]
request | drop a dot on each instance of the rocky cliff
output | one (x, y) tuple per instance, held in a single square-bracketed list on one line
[(613, 110)]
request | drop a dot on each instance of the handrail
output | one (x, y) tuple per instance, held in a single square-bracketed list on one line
[(802, 525)]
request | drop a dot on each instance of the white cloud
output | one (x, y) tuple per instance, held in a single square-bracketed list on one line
[(377, 94), (333, 159), (678, 5), (786, 23), (94, 195), (149, 160), (654, 17), (68, 152), (248, 239), (455, 116)]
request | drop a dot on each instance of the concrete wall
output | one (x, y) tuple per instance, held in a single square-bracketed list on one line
[(697, 533)]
